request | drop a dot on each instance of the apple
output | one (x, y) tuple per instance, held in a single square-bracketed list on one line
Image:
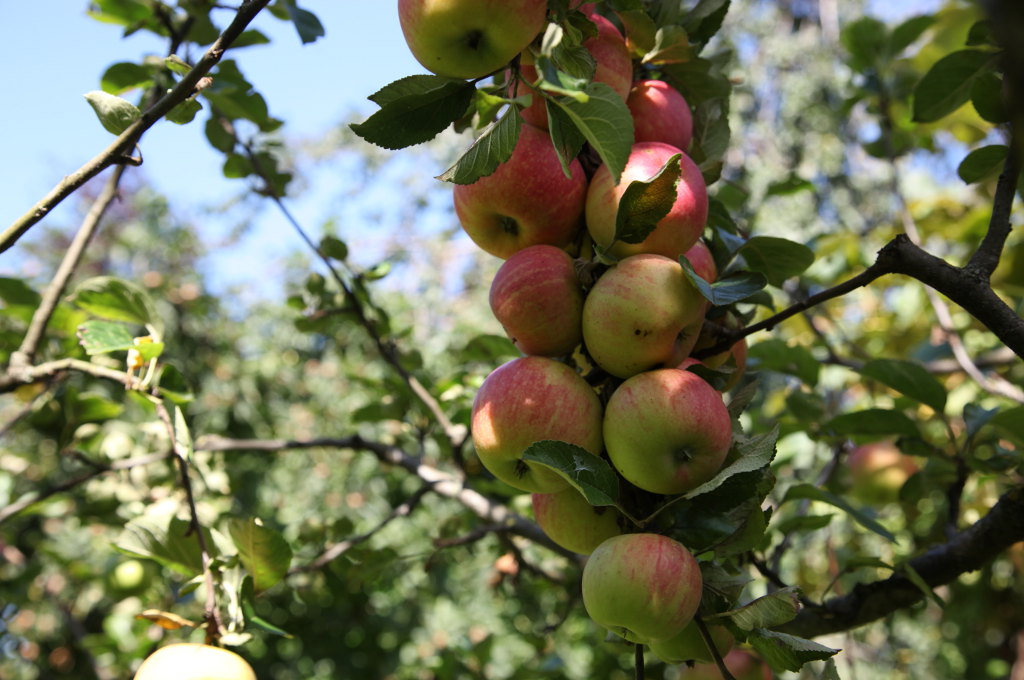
[(660, 114), (676, 232), (573, 523), (128, 577), (614, 68), (527, 201), (741, 664), (702, 261), (643, 587), (191, 661), (528, 400), (878, 471), (667, 431), (689, 645), (467, 38), (641, 314), (539, 302)]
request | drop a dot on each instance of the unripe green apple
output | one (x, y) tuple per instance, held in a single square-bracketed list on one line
[(660, 114), (677, 231), (642, 313), (643, 587), (573, 523), (689, 645), (667, 431), (528, 400), (539, 302), (469, 38), (528, 200), (190, 661)]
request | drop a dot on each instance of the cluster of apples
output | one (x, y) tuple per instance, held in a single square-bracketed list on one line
[(605, 360)]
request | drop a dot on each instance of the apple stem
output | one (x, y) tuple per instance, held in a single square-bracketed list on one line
[(638, 651), (706, 635)]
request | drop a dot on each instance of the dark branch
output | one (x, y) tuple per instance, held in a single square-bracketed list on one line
[(986, 258)]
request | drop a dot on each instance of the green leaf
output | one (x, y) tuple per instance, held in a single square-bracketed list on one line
[(981, 33), (306, 23), (732, 288), (334, 248), (777, 258), (947, 85), (414, 110), (982, 163), (640, 28), (645, 202), (185, 112), (872, 421), (791, 185), (567, 140), (93, 408), (811, 492), (976, 417), (704, 20), (116, 300), (114, 113), (182, 436), (103, 337), (591, 475), (788, 652), (908, 378), (149, 350), (904, 35), (802, 523), (671, 46), (754, 454), (219, 137), (17, 293), (249, 38), (914, 577), (493, 147), (698, 80), (605, 122), (264, 552), (176, 64), (237, 166), (247, 595), (776, 355), (124, 76), (987, 98), (865, 39), (1011, 421), (173, 386), (176, 547), (769, 611)]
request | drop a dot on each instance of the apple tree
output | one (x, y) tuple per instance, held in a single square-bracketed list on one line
[(713, 371)]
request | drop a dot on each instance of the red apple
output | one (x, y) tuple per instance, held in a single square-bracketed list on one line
[(660, 114), (528, 200), (676, 232), (468, 38), (573, 523), (527, 400), (667, 431), (642, 313), (742, 664), (878, 471), (643, 587), (538, 300), (702, 261)]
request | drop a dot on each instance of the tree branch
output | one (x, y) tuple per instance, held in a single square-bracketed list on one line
[(31, 374), (968, 551), (986, 258)]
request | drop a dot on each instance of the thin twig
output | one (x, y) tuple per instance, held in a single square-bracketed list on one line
[(32, 374), (638, 660), (989, 252), (705, 635)]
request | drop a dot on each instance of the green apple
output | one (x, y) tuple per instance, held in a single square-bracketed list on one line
[(469, 38), (689, 645), (667, 431), (641, 314), (677, 231), (660, 114), (191, 661), (538, 300), (527, 201), (527, 400), (573, 523), (643, 587)]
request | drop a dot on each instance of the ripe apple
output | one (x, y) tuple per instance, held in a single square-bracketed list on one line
[(528, 200), (573, 523), (689, 645), (676, 232), (642, 313), (614, 68), (643, 587), (878, 471), (660, 114), (667, 431), (528, 400), (467, 38), (741, 664), (191, 661), (538, 300)]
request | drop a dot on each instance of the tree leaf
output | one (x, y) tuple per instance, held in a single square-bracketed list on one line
[(987, 98), (777, 258), (865, 39), (982, 163), (124, 76), (264, 552), (115, 114), (645, 202), (728, 290), (115, 299), (754, 454), (947, 85), (671, 46), (176, 547), (493, 147), (769, 611), (103, 337), (791, 185), (908, 378), (591, 475), (173, 386), (872, 421), (907, 32), (776, 355), (605, 122), (306, 23), (185, 112), (787, 652), (182, 436), (414, 110), (811, 492)]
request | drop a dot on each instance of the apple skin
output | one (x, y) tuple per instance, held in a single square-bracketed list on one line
[(878, 471), (528, 400), (466, 38), (676, 232), (643, 587), (539, 302), (191, 661), (573, 523), (667, 431), (742, 664), (660, 114), (689, 645), (527, 201), (642, 313)]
